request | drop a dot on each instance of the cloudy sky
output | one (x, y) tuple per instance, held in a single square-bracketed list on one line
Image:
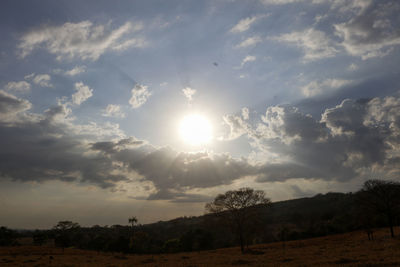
[(99, 99)]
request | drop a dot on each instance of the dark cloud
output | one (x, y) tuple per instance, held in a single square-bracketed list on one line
[(178, 197), (352, 139), (110, 147), (173, 172), (46, 147), (11, 106), (373, 32), (50, 146)]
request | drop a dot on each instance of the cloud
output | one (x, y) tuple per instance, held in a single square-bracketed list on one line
[(83, 92), (356, 139), (134, 42), (280, 2), (251, 41), (352, 6), (315, 44), (21, 87), (189, 93), (82, 40), (373, 32), (48, 146), (315, 88), (237, 124), (244, 24), (140, 95), (113, 111), (171, 171), (42, 80), (247, 59), (110, 147), (53, 147), (353, 67), (75, 71), (11, 106), (29, 76), (245, 113)]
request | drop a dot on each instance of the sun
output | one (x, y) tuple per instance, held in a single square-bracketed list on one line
[(195, 130)]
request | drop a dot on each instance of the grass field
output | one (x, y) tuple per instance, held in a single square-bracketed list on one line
[(350, 249)]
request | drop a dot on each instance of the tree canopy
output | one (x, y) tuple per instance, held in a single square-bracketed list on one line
[(239, 209)]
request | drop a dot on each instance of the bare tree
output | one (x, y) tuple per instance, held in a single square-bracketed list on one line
[(239, 209), (383, 198)]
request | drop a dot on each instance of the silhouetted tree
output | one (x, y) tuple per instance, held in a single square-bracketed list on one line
[(133, 221), (239, 209), (381, 197), (65, 231), (39, 237), (7, 236)]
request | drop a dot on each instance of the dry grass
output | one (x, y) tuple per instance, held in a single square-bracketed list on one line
[(351, 249)]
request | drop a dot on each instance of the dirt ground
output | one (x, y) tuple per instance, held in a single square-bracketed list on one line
[(350, 249)]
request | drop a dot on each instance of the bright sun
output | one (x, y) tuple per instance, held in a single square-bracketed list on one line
[(195, 130)]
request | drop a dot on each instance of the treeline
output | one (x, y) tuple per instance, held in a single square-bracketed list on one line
[(377, 204)]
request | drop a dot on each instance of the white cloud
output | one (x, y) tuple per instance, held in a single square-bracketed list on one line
[(113, 111), (353, 67), (320, 87), (29, 76), (21, 86), (140, 94), (83, 92), (189, 92), (248, 59), (251, 41), (42, 80), (244, 24), (245, 113), (315, 44), (134, 42), (75, 71), (82, 40)]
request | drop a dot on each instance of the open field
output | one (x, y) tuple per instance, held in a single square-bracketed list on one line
[(350, 249)]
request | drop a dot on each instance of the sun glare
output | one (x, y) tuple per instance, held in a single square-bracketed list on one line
[(195, 130)]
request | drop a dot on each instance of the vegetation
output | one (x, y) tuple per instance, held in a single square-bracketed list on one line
[(239, 210), (349, 249), (243, 216), (7, 236), (380, 197)]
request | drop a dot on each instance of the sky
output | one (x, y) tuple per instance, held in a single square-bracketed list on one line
[(99, 100)]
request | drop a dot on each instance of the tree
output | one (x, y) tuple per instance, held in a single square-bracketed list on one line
[(133, 221), (7, 236), (382, 197), (239, 208), (65, 231)]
